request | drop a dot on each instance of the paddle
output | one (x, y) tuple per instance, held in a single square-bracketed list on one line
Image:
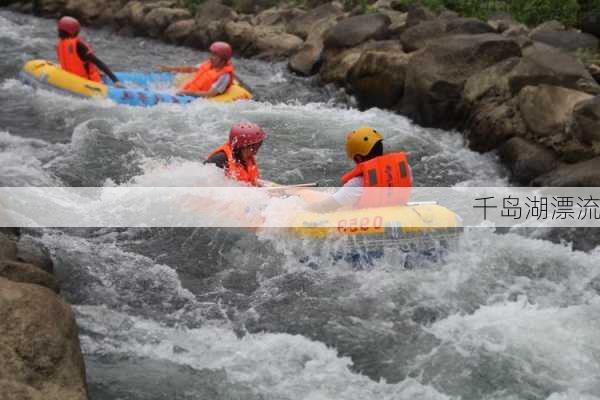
[(298, 185), (242, 83)]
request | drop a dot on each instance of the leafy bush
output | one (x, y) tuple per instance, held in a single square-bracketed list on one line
[(530, 12)]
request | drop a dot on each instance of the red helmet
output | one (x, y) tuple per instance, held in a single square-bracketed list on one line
[(69, 25), (221, 49), (245, 134)]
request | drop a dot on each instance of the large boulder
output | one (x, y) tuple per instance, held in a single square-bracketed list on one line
[(586, 121), (418, 36), (542, 64), (356, 30), (85, 11), (27, 273), (337, 64), (308, 58), (261, 40), (397, 21), (201, 37), (547, 109), (492, 122), (40, 356), (32, 252), (492, 81), (304, 25), (417, 14), (586, 173), (8, 247), (179, 31), (214, 11), (436, 75), (159, 19), (566, 40), (277, 16), (553, 26), (527, 160), (377, 78)]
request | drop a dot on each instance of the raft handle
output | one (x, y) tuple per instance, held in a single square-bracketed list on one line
[(94, 88)]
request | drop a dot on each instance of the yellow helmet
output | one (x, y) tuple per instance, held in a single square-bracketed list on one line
[(361, 141)]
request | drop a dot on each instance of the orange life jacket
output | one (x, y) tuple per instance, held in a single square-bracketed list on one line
[(391, 171), (66, 52), (206, 76), (237, 170)]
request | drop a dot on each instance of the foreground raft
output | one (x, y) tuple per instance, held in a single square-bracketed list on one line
[(42, 73)]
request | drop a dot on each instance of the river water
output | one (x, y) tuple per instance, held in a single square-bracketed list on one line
[(226, 314)]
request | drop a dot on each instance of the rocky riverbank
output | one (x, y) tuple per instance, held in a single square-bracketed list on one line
[(530, 93), (40, 354)]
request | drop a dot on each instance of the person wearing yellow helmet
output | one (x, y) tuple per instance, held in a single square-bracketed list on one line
[(373, 169)]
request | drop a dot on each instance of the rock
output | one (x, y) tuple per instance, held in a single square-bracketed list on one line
[(566, 40), (159, 19), (513, 30), (383, 5), (27, 273), (48, 8), (527, 160), (491, 81), (417, 14), (398, 21), (252, 6), (303, 26), (132, 16), (32, 252), (437, 74), (264, 40), (277, 44), (85, 11), (471, 26), (308, 58), (211, 32), (493, 122), (179, 31), (275, 16), (399, 5), (590, 22), (543, 64), (418, 36), (336, 65), (594, 71), (356, 30), (377, 78), (40, 355), (547, 109), (421, 35), (551, 26), (448, 14), (8, 248), (501, 16), (586, 121), (213, 11), (586, 173)]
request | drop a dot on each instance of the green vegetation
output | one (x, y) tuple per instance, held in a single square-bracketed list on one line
[(529, 12), (587, 56)]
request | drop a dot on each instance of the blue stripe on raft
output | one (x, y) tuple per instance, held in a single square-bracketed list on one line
[(144, 98), (146, 79)]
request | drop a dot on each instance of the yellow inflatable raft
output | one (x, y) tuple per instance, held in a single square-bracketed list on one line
[(46, 74)]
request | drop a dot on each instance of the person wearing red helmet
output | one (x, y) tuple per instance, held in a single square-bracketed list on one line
[(237, 156), (212, 78), (76, 56)]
